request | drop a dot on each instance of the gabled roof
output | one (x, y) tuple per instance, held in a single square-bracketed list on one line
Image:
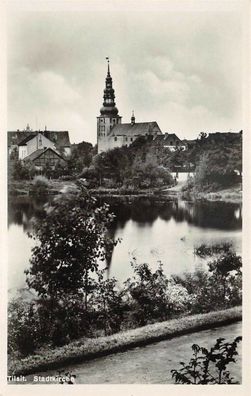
[(59, 138), (169, 136), (36, 154), (26, 140), (139, 128)]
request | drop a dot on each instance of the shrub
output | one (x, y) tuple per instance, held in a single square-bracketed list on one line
[(23, 170), (108, 305), (40, 185), (22, 328), (152, 296), (178, 298), (224, 275), (208, 366)]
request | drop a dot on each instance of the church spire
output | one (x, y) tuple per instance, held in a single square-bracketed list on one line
[(133, 118), (109, 107)]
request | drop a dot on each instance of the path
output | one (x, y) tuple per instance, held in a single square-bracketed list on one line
[(150, 364), (177, 188)]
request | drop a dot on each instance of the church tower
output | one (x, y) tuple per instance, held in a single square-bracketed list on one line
[(108, 114)]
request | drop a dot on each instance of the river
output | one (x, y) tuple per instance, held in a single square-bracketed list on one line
[(151, 230)]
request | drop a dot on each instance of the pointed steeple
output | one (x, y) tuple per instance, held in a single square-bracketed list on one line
[(132, 118), (109, 107)]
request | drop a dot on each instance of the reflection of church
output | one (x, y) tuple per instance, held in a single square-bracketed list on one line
[(111, 132)]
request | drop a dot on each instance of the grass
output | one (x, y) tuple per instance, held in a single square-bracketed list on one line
[(85, 349)]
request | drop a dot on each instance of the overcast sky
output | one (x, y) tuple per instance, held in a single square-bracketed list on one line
[(181, 68)]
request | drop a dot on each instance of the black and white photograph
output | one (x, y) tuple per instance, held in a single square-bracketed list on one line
[(124, 158)]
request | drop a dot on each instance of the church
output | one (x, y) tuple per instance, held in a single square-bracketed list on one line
[(111, 132)]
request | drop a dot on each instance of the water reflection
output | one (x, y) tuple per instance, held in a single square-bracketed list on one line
[(215, 215), (151, 230)]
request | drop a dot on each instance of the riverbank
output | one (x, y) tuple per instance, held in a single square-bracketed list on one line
[(54, 187), (230, 195), (86, 349), (23, 187)]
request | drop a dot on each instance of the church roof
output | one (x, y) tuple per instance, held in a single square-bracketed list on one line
[(139, 128)]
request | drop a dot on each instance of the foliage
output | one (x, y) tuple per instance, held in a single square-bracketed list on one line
[(225, 272), (152, 296), (216, 168), (147, 173), (209, 366), (40, 185), (147, 290), (127, 166), (72, 240), (22, 335), (55, 171), (224, 275), (107, 302), (23, 170), (81, 157), (75, 298)]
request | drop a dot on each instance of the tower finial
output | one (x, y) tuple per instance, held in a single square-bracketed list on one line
[(108, 63)]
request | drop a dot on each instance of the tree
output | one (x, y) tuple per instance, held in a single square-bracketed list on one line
[(72, 241), (23, 170), (81, 156), (149, 173)]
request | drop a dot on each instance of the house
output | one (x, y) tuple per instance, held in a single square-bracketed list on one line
[(32, 144), (170, 141), (111, 132), (45, 156), (58, 140)]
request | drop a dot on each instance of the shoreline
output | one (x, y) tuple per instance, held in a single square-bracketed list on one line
[(86, 349), (231, 195)]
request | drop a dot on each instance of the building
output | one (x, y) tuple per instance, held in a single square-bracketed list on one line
[(28, 141), (32, 143), (111, 132), (170, 141), (45, 156)]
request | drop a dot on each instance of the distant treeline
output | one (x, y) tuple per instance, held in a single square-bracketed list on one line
[(216, 160)]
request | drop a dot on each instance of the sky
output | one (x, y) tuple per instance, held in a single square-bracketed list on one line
[(180, 66)]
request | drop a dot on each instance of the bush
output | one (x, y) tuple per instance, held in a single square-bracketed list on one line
[(108, 305), (224, 275), (208, 366), (22, 328), (40, 185), (46, 321), (153, 297), (23, 170), (147, 291)]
